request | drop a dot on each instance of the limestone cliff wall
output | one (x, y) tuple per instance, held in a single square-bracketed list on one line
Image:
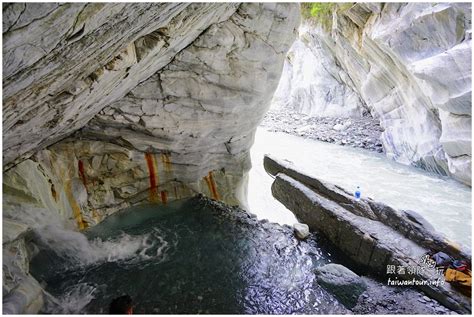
[(409, 64), (108, 105)]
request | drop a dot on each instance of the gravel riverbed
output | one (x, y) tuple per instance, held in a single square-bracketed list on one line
[(361, 132)]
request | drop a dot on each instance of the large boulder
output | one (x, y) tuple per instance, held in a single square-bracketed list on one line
[(344, 284), (371, 234)]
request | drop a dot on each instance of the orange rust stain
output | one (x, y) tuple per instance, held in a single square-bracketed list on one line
[(150, 161), (212, 186), (95, 215), (165, 158), (82, 173), (164, 197), (75, 207)]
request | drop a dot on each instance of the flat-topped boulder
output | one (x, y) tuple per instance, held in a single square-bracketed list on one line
[(373, 235), (407, 222)]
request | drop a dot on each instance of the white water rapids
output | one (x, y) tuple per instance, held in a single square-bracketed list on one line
[(445, 203)]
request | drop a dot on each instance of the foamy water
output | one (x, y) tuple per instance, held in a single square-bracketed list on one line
[(77, 252), (59, 234), (217, 261), (72, 301), (445, 203)]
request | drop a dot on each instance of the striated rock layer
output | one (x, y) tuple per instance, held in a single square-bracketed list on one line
[(107, 105), (373, 235), (313, 82), (409, 64)]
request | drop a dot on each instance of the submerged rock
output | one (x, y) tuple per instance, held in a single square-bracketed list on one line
[(344, 284)]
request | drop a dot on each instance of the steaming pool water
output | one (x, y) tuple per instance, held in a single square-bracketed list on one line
[(186, 257)]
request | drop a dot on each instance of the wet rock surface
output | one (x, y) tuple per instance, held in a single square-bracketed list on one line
[(301, 230), (373, 235), (363, 132), (381, 299), (21, 292), (342, 282)]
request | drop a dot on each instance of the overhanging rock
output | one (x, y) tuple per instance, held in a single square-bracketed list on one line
[(371, 234)]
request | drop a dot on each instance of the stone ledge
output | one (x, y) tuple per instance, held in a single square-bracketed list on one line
[(25, 298), (13, 230), (409, 223), (372, 244)]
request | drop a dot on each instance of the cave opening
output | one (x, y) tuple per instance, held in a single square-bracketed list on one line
[(128, 186)]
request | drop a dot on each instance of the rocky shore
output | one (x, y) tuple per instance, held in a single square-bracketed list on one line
[(376, 298), (361, 132), (364, 231), (381, 299)]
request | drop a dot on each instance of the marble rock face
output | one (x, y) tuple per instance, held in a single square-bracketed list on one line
[(61, 67), (108, 105), (312, 82), (410, 67)]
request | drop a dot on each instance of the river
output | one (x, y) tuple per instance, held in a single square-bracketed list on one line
[(445, 203)]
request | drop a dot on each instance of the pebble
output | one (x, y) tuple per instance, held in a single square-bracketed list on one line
[(301, 230), (426, 298), (338, 127), (439, 309)]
